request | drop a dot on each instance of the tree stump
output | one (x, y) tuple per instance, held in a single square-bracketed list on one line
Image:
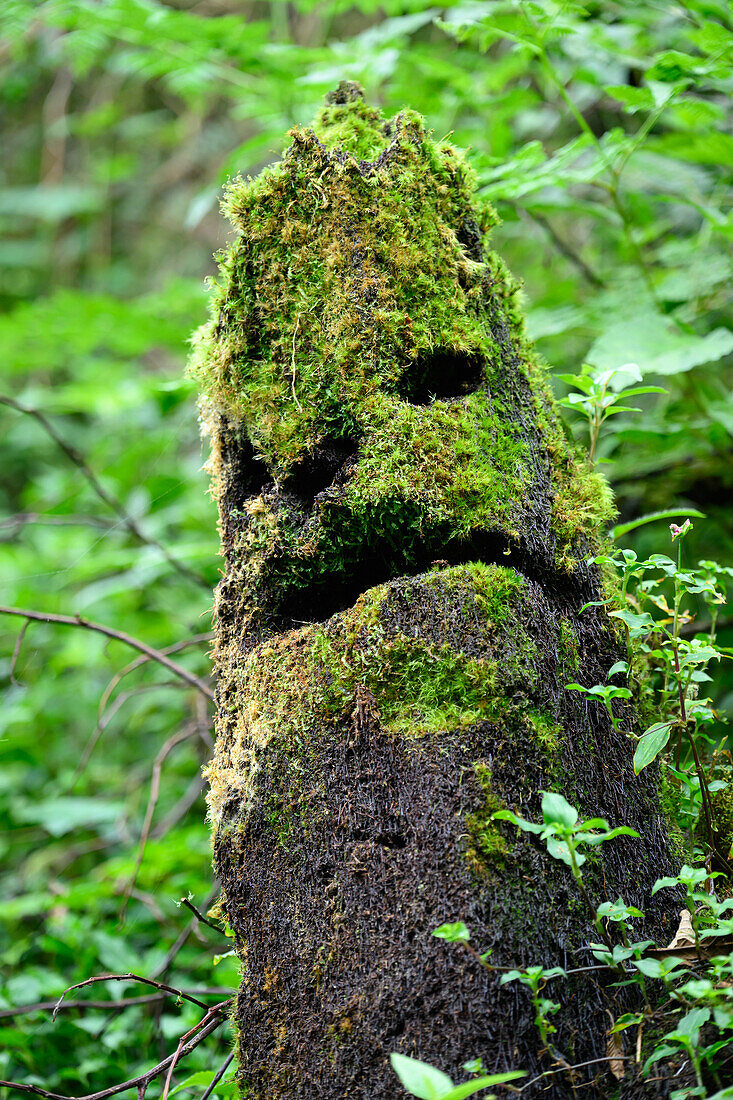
[(406, 532)]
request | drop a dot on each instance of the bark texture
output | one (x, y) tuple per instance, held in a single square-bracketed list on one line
[(406, 531)]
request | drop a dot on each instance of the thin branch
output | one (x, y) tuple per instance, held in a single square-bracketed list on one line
[(78, 460), (200, 916), (23, 519), (164, 966), (103, 723), (171, 990), (174, 1061), (140, 661), (166, 749), (560, 244), (16, 652), (213, 1019), (82, 1006), (220, 1073), (564, 1069), (120, 636)]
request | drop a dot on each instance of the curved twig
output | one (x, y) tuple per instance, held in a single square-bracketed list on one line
[(213, 1019), (161, 986), (77, 458), (118, 635)]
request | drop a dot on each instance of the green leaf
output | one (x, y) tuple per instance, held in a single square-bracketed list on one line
[(658, 345), (556, 810), (667, 513), (651, 744), (201, 1079), (453, 933), (617, 668), (520, 822), (635, 622), (633, 99), (421, 1079), (469, 1088)]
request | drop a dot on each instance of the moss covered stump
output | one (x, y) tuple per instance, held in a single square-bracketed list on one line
[(406, 533)]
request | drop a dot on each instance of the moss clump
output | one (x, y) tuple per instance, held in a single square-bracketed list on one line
[(487, 847), (568, 645), (369, 384), (582, 501), (421, 685), (547, 732)]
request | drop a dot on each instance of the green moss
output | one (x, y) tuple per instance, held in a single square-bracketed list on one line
[(419, 688), (487, 847), (547, 732), (568, 645), (348, 278), (286, 688), (583, 501), (422, 686), (358, 130), (670, 804), (496, 589)]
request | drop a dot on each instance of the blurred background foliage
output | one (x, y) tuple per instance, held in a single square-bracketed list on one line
[(602, 134)]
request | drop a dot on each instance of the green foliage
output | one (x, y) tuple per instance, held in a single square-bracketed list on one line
[(429, 1083), (602, 138)]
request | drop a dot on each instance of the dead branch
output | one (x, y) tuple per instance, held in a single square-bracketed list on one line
[(213, 1019), (82, 1006), (77, 459), (166, 749), (191, 927), (220, 1073), (200, 916), (139, 661), (161, 986), (118, 635)]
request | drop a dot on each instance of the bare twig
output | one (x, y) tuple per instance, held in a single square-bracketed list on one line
[(564, 1069), (174, 1061), (22, 519), (168, 746), (82, 1006), (164, 966), (140, 661), (200, 916), (220, 1073), (119, 635), (171, 990), (16, 651), (213, 1019), (103, 722), (78, 460)]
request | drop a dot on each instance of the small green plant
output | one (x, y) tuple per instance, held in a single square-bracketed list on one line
[(535, 978), (667, 669), (689, 1000), (565, 836), (607, 692), (429, 1083), (597, 398)]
